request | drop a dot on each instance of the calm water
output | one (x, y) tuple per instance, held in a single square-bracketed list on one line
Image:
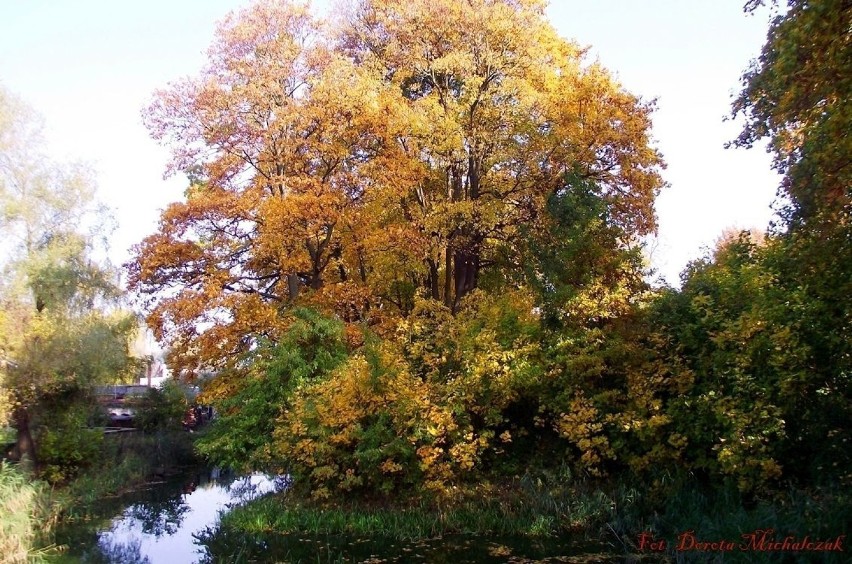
[(174, 522), (158, 524)]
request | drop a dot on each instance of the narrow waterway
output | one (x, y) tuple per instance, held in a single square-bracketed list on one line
[(160, 523), (176, 522)]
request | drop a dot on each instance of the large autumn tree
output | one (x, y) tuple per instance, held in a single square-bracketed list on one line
[(406, 150)]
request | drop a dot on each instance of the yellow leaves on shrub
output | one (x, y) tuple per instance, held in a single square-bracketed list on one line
[(323, 430), (429, 455), (390, 467), (747, 457), (372, 423), (582, 425)]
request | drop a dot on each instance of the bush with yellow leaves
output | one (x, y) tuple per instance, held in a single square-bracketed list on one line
[(421, 412)]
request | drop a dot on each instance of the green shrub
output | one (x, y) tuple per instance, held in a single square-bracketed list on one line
[(65, 444), (241, 436)]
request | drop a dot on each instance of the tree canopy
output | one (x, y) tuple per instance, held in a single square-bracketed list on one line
[(404, 149), (797, 94)]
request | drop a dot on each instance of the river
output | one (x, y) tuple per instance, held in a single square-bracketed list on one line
[(175, 522)]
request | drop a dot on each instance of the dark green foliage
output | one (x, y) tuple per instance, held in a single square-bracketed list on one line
[(582, 258), (797, 94), (812, 298), (765, 340), (718, 324), (66, 444), (241, 435)]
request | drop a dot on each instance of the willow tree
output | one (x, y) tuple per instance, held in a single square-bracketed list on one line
[(398, 152), (62, 328)]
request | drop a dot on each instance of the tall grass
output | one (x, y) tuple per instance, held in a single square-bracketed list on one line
[(25, 514)]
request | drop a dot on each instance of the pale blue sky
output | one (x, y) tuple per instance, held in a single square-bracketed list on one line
[(89, 66)]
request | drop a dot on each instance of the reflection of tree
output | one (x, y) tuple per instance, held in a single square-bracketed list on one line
[(282, 482), (160, 517), (234, 546), (129, 552), (242, 490)]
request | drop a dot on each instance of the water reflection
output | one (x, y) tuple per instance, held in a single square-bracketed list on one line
[(247, 488), (157, 524), (157, 519), (126, 553)]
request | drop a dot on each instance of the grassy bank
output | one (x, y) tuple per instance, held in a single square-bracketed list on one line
[(30, 509), (25, 510), (521, 509), (613, 514)]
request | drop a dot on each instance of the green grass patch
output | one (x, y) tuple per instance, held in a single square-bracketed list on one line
[(25, 513)]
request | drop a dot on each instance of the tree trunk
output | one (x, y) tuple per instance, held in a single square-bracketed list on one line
[(465, 274), (293, 284), (448, 276), (24, 444), (434, 280)]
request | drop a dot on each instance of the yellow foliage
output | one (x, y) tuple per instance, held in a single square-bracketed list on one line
[(582, 425), (364, 164), (375, 422)]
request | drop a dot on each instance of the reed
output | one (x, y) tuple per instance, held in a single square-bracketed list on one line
[(25, 515)]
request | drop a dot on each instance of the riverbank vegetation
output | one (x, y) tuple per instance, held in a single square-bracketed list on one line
[(32, 508), (24, 512), (34, 501), (615, 512)]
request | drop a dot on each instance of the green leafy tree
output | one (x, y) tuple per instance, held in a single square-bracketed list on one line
[(769, 395), (580, 262), (162, 409), (62, 327), (241, 435), (723, 324), (797, 94)]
